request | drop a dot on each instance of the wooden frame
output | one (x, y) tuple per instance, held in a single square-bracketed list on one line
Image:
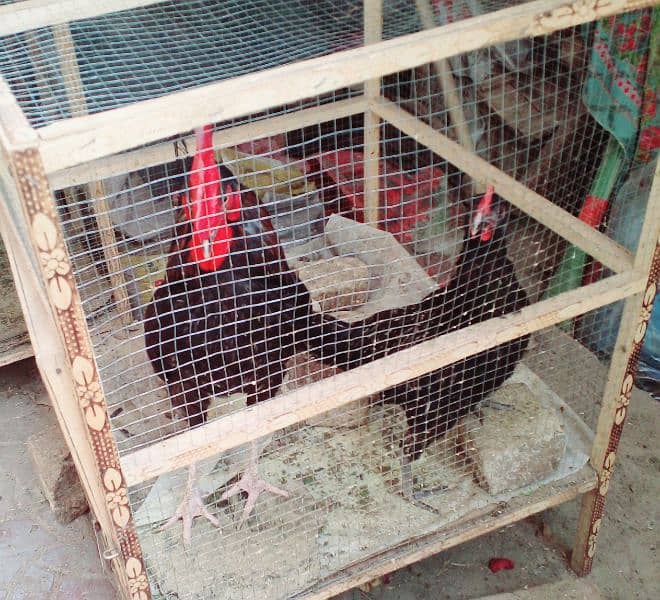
[(32, 14), (474, 524), (20, 352), (56, 325), (85, 149), (542, 210), (225, 138), (74, 141), (636, 313), (295, 407), (373, 25)]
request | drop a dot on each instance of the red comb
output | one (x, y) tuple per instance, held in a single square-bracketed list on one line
[(484, 209), (211, 233), (204, 137)]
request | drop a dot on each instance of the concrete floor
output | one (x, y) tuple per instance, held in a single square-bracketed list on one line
[(40, 559)]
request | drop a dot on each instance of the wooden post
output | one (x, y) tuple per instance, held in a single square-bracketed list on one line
[(51, 305), (452, 97), (96, 190), (373, 26), (612, 416)]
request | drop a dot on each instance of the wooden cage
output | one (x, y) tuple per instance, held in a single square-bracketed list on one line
[(84, 144)]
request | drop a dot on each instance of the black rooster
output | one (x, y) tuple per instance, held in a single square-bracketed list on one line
[(229, 313), (484, 286)]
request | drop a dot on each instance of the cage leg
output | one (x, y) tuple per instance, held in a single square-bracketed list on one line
[(636, 313), (50, 301)]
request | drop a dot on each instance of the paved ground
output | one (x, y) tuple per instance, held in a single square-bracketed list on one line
[(39, 559), (42, 560)]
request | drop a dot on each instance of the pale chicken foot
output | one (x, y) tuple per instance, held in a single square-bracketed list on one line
[(252, 483), (191, 506), (416, 498)]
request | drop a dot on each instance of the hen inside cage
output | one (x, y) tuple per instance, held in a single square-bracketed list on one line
[(229, 275)]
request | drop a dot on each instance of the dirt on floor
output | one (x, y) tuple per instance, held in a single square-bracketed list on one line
[(41, 559)]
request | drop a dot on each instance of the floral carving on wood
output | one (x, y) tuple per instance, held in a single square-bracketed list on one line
[(137, 580), (591, 547), (116, 497), (645, 315), (53, 260), (89, 392), (585, 10), (606, 474), (624, 398)]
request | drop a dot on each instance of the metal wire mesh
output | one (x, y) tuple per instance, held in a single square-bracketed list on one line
[(154, 50), (376, 472)]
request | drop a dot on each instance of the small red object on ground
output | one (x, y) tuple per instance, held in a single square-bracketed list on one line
[(498, 564)]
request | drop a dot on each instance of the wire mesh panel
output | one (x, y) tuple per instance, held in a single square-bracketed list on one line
[(153, 50), (218, 277)]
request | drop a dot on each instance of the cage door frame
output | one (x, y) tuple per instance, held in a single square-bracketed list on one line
[(53, 313)]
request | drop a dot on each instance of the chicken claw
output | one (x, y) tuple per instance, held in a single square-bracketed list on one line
[(253, 484), (191, 506)]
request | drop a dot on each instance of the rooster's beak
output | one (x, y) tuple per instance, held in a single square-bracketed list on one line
[(206, 244), (476, 224)]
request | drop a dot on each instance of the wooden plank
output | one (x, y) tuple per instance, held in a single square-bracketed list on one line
[(611, 419), (475, 524), (75, 141), (373, 26), (319, 397), (33, 14), (579, 234), (96, 190), (48, 297), (73, 87), (452, 97), (16, 353), (15, 134), (48, 348), (15, 130), (225, 138)]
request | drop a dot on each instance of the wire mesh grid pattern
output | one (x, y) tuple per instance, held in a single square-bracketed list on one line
[(154, 50), (234, 274)]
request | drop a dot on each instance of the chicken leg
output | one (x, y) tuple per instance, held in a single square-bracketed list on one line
[(416, 498), (191, 506), (253, 484)]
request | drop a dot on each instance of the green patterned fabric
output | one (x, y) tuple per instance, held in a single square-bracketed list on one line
[(621, 91)]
